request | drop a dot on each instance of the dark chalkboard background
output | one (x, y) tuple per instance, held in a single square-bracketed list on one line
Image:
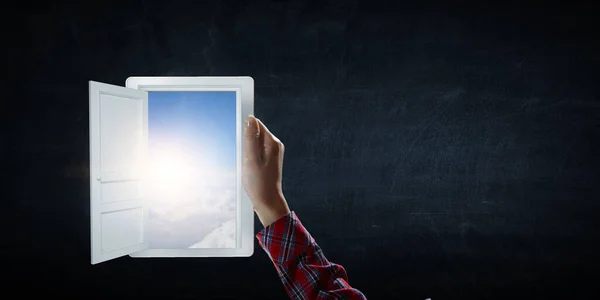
[(434, 150)]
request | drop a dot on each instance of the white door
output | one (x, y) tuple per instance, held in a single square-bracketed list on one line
[(118, 145)]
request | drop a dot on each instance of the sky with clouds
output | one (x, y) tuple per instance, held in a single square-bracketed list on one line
[(192, 165)]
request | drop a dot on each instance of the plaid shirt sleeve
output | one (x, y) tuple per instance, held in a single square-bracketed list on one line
[(301, 264)]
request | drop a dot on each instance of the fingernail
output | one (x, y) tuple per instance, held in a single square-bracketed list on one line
[(248, 120)]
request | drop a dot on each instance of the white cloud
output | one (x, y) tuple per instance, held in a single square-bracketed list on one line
[(210, 194), (181, 214), (222, 237)]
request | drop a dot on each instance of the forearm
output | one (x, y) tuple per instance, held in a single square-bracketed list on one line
[(277, 209), (302, 267)]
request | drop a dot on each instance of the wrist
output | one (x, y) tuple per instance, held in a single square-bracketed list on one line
[(268, 215)]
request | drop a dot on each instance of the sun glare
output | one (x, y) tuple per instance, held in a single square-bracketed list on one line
[(181, 183), (172, 170)]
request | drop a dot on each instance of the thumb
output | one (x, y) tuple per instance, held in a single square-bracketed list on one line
[(272, 145), (251, 140)]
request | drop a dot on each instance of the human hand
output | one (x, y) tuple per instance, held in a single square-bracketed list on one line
[(262, 168)]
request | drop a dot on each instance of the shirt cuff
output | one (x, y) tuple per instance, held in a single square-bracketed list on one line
[(285, 238)]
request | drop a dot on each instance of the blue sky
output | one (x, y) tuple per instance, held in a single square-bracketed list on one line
[(201, 122), (196, 133)]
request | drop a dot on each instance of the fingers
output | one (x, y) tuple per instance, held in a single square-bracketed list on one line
[(252, 140), (272, 145)]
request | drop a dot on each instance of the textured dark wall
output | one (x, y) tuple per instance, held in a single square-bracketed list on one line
[(434, 150)]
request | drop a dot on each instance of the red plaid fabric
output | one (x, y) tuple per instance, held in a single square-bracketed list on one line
[(301, 264)]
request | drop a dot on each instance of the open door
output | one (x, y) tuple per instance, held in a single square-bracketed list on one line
[(118, 146)]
